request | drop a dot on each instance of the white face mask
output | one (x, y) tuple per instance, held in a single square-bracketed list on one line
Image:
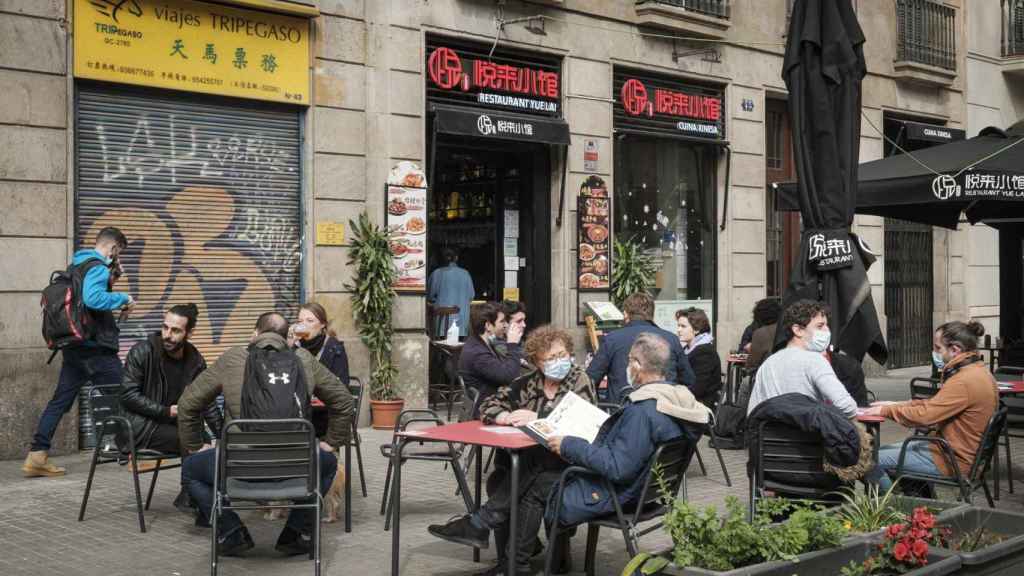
[(820, 340), (940, 363)]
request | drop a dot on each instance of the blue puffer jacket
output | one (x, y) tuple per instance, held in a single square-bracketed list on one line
[(620, 453)]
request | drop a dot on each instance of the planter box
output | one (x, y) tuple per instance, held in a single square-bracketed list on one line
[(1004, 558), (940, 508), (940, 563)]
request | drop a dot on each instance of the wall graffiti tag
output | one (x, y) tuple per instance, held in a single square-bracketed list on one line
[(209, 199)]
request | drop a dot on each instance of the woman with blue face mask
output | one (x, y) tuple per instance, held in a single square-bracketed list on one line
[(533, 396)]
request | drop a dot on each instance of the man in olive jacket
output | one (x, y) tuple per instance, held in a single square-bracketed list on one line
[(226, 376)]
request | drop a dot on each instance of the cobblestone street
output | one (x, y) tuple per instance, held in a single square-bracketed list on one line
[(42, 536)]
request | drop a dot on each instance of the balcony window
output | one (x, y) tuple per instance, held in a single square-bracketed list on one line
[(926, 33), (712, 8), (1013, 27)]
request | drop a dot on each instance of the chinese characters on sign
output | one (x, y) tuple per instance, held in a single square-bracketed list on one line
[(521, 87), (830, 249), (664, 104), (593, 257), (973, 185), (177, 44), (406, 219)]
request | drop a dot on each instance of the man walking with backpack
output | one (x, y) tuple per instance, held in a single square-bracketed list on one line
[(265, 380), (86, 333)]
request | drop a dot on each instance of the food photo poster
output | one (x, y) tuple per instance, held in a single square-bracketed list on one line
[(406, 208), (594, 258)]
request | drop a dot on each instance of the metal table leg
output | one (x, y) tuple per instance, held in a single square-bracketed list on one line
[(348, 486), (478, 475), (396, 502), (513, 516)]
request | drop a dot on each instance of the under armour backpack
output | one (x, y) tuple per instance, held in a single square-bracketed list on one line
[(66, 321), (274, 387)]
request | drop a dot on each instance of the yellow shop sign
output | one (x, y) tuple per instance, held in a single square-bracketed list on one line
[(193, 46)]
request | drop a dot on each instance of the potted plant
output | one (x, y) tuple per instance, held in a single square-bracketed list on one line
[(705, 543), (632, 271), (987, 541), (871, 511), (372, 301), (910, 547)]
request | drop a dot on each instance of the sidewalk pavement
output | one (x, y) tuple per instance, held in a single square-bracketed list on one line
[(38, 519)]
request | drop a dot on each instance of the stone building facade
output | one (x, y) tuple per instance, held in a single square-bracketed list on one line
[(373, 103)]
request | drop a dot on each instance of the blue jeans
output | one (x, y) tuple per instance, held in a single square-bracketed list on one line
[(80, 364), (918, 459), (197, 477)]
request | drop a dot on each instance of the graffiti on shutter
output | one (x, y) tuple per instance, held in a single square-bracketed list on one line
[(208, 194)]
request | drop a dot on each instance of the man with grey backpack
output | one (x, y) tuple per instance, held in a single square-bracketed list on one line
[(264, 380)]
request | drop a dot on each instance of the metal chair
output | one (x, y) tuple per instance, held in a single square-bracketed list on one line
[(1014, 420), (670, 460), (430, 452), (261, 461), (922, 389), (786, 460), (982, 460), (709, 431), (356, 388), (109, 418)]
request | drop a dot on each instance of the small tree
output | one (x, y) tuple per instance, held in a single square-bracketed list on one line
[(632, 271), (372, 301)]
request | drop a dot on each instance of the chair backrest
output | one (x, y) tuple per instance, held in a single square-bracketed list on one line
[(790, 457), (356, 389), (923, 388), (670, 460), (989, 444), (267, 456), (473, 395), (418, 416)]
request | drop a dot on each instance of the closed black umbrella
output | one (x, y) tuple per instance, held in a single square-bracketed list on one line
[(981, 178), (823, 69)]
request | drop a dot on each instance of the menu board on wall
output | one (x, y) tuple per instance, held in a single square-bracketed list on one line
[(593, 255), (407, 224)]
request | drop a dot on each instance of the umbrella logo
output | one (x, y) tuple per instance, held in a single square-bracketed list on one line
[(945, 187)]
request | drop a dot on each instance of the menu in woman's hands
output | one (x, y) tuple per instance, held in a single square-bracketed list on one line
[(573, 416)]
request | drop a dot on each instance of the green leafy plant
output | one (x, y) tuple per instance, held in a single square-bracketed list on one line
[(372, 301), (706, 539), (632, 271), (870, 511)]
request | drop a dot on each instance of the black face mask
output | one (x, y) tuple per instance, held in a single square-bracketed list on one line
[(313, 345)]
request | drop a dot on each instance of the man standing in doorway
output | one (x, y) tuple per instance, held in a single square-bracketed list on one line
[(94, 360), (451, 285)]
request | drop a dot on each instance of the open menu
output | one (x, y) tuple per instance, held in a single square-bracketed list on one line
[(573, 416)]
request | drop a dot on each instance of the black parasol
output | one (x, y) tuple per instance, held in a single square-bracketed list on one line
[(823, 69), (982, 178)]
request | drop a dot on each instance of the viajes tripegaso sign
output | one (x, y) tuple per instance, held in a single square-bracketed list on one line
[(193, 46)]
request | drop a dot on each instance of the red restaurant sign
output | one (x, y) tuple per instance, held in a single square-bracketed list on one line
[(636, 102), (497, 84)]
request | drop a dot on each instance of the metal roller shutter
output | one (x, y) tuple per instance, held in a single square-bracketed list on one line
[(207, 191)]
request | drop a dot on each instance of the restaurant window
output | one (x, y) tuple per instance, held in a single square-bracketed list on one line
[(664, 199)]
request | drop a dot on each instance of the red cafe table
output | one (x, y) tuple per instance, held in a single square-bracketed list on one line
[(473, 433)]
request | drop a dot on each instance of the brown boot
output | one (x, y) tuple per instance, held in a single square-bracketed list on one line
[(37, 464)]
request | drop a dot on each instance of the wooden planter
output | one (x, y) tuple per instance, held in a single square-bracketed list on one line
[(384, 413)]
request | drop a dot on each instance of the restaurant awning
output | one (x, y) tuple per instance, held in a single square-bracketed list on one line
[(481, 123), (982, 178)]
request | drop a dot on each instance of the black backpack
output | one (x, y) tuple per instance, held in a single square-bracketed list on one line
[(730, 423), (66, 321), (274, 387)]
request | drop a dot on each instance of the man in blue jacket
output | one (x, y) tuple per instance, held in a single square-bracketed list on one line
[(658, 411), (611, 357), (96, 359)]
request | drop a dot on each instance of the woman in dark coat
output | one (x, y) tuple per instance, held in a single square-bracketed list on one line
[(694, 331), (313, 334)]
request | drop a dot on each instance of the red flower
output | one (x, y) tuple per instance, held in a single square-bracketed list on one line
[(920, 548), (895, 529), (900, 551)]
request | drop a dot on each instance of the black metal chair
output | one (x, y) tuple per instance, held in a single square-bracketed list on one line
[(263, 461), (922, 388), (982, 460), (356, 388), (787, 461), (109, 419), (670, 459), (430, 452), (1014, 420), (709, 431)]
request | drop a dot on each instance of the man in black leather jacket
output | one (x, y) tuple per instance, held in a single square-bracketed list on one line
[(156, 372)]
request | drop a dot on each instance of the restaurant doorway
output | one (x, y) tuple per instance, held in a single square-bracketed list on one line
[(490, 202)]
